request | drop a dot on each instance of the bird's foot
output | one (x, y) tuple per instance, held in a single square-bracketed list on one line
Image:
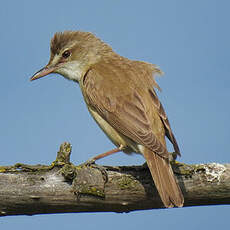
[(173, 156), (91, 163), (145, 165)]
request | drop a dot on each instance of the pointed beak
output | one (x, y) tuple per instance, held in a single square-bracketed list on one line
[(42, 72)]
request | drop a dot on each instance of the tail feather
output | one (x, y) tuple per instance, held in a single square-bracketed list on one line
[(164, 179)]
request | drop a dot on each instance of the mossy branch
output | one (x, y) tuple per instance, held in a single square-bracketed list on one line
[(63, 187)]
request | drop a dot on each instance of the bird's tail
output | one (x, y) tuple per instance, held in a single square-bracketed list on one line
[(164, 179)]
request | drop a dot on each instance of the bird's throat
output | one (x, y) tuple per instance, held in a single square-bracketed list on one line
[(72, 71)]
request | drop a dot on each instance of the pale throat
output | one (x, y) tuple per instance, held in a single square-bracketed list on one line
[(73, 70)]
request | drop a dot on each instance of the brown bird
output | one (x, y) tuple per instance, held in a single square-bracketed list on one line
[(120, 96)]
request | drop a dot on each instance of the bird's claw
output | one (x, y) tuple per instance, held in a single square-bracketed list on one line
[(173, 156), (91, 163)]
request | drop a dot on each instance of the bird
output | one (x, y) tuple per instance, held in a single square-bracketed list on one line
[(120, 94)]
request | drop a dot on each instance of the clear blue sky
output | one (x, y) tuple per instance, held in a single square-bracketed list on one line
[(189, 40)]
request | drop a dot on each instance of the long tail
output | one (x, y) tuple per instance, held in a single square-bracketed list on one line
[(164, 179)]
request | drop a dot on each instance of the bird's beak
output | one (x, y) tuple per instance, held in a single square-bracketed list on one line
[(43, 72)]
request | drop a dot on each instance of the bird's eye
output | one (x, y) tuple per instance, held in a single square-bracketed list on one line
[(66, 54)]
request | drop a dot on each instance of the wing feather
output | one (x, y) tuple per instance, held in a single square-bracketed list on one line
[(125, 110), (164, 118)]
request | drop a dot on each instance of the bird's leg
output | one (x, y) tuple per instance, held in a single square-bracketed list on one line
[(102, 155)]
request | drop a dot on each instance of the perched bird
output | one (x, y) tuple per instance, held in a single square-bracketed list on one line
[(120, 95)]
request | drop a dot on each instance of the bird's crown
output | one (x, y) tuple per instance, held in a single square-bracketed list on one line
[(77, 40)]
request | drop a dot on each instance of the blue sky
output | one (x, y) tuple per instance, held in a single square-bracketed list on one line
[(189, 40)]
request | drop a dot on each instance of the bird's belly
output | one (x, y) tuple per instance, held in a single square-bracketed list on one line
[(117, 138)]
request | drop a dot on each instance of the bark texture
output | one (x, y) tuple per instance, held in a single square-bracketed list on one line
[(63, 187)]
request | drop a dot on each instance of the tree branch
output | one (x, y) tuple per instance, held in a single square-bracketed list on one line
[(63, 187)]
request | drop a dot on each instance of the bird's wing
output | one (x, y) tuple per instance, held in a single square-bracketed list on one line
[(122, 107), (164, 118)]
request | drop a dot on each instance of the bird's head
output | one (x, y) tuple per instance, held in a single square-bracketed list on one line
[(72, 53)]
